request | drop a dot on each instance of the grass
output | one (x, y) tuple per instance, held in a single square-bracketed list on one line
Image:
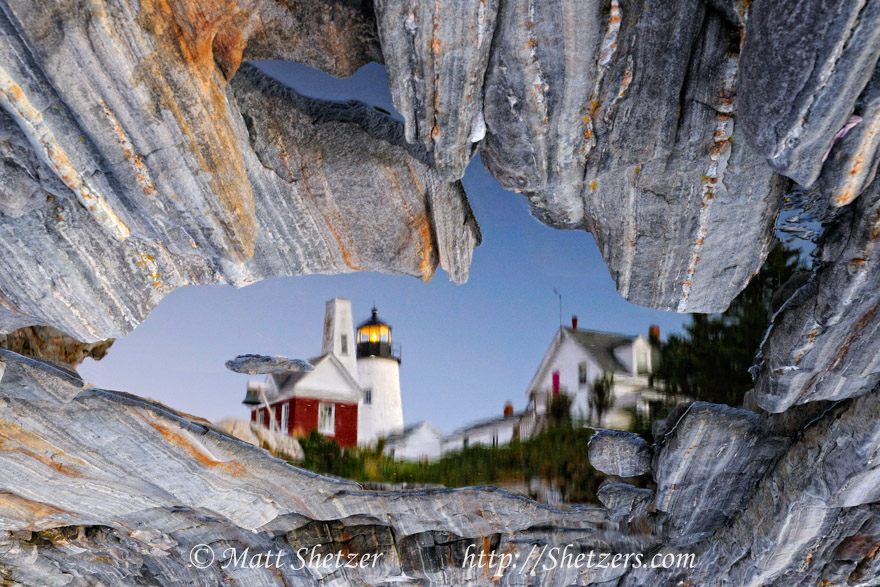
[(557, 455)]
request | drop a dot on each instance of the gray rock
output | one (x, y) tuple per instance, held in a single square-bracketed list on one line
[(824, 343), (541, 78), (137, 486), (45, 342), (436, 54), (632, 135), (624, 454), (805, 522), (183, 179), (623, 499), (707, 467), (804, 65), (263, 365), (851, 164)]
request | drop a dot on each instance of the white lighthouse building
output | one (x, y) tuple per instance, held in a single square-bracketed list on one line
[(374, 362), (380, 412)]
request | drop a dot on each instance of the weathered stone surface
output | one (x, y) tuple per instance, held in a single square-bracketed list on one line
[(824, 343), (851, 163), (810, 513), (137, 155), (707, 467), (45, 342), (69, 488), (541, 78), (804, 65), (141, 484), (623, 499), (263, 365), (179, 178), (436, 54), (629, 131), (624, 454)]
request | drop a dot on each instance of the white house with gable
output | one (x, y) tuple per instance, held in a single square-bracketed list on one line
[(577, 357)]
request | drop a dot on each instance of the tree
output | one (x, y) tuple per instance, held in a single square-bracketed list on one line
[(711, 360), (603, 396)]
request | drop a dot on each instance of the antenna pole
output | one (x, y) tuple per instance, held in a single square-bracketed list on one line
[(556, 291)]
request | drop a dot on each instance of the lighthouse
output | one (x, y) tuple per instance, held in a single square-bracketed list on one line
[(380, 412)]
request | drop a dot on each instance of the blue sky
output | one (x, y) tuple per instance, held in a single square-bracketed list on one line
[(466, 349)]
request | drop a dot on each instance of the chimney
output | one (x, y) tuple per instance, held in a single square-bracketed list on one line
[(574, 322), (508, 409), (339, 334), (654, 334)]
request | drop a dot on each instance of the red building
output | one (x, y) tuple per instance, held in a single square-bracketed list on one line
[(325, 399)]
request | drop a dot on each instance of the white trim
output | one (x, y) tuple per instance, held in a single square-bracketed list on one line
[(285, 416), (328, 428)]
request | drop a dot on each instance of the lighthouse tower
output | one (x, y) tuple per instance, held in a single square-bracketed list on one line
[(380, 412)]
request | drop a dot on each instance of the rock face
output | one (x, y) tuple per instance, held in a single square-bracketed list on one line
[(791, 112), (180, 165), (620, 453), (138, 153), (701, 494), (125, 191), (825, 340), (66, 490), (49, 343)]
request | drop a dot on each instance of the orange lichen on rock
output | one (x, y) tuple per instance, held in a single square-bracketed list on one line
[(16, 440), (178, 440), (16, 507), (187, 32)]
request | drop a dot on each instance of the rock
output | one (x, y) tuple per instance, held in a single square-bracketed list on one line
[(629, 130), (112, 473), (36, 379), (851, 163), (45, 342), (707, 467), (813, 506), (623, 499), (436, 54), (824, 343), (624, 454), (263, 365), (279, 444), (191, 179), (804, 65)]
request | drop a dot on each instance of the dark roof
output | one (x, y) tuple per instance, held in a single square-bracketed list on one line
[(601, 346), (407, 430), (374, 320)]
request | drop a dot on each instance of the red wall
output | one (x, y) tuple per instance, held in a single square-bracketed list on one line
[(304, 418)]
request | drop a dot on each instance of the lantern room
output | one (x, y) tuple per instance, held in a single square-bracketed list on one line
[(374, 339)]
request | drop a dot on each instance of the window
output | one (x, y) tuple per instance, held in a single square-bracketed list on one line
[(344, 344), (642, 361), (368, 397), (582, 373), (326, 419), (465, 442), (495, 440), (285, 416)]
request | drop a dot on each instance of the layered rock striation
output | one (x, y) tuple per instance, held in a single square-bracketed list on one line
[(140, 153)]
